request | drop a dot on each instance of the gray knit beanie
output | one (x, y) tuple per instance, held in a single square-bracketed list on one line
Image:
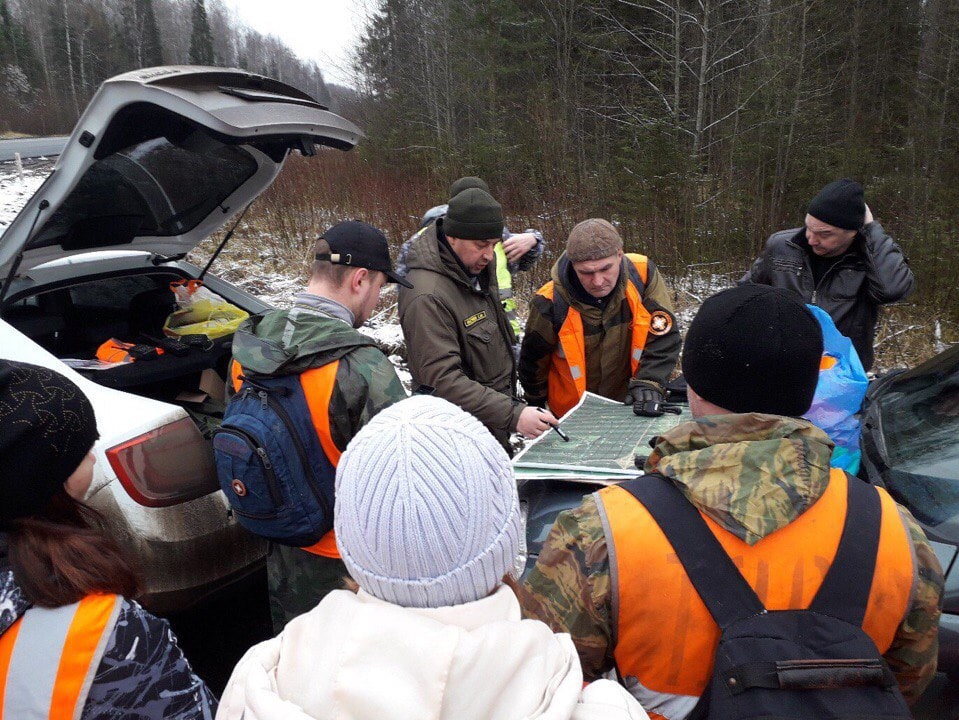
[(426, 513), (593, 239)]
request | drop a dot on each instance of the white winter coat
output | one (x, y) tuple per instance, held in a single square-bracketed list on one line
[(355, 657)]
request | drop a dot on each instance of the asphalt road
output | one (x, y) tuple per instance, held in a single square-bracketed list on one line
[(32, 147)]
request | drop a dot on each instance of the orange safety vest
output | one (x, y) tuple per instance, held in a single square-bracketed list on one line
[(317, 386), (665, 638), (567, 369), (49, 657)]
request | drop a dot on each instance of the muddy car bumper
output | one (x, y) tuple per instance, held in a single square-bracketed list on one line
[(184, 552)]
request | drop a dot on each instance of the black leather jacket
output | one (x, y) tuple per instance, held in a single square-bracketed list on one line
[(872, 273)]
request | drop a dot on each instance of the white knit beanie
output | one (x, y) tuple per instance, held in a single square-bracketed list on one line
[(426, 508)]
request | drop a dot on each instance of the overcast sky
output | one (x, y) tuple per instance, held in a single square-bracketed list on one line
[(321, 30)]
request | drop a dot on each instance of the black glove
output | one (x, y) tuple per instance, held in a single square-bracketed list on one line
[(649, 401)]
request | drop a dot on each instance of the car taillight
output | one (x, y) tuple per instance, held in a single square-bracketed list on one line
[(166, 466)]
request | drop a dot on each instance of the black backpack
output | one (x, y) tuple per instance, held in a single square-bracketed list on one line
[(785, 664)]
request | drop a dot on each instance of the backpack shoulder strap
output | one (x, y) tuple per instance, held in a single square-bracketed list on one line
[(560, 311), (845, 591), (639, 281), (723, 590)]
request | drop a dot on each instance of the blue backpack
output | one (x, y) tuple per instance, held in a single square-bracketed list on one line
[(271, 465)]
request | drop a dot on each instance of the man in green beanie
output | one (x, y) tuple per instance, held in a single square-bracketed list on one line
[(458, 338)]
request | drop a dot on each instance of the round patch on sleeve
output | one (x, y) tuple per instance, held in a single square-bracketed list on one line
[(660, 322)]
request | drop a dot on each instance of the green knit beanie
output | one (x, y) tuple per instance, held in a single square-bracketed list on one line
[(470, 181), (473, 215)]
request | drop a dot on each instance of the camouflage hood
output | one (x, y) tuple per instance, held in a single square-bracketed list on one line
[(287, 342), (751, 473)]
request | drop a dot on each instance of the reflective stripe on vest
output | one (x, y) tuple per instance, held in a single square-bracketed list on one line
[(49, 657), (504, 282), (318, 388), (665, 636), (567, 369)]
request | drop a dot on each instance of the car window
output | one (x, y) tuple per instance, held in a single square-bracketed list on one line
[(114, 293), (920, 422), (153, 187)]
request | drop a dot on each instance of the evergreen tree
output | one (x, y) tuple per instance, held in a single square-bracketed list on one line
[(148, 34), (6, 41), (201, 39), (15, 47)]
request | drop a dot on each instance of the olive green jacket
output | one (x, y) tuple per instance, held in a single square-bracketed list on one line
[(752, 474), (458, 339)]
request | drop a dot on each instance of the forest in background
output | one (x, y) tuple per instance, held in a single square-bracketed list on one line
[(699, 126), (55, 53)]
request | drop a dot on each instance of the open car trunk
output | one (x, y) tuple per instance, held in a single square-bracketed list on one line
[(73, 321)]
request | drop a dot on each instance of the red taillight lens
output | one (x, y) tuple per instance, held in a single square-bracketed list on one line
[(166, 466)]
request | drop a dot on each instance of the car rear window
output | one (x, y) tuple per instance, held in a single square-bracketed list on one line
[(155, 186)]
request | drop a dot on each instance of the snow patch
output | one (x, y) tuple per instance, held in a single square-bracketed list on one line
[(16, 190)]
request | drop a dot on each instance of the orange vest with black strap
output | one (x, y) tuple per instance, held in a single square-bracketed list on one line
[(49, 657), (318, 389), (567, 369), (665, 639)]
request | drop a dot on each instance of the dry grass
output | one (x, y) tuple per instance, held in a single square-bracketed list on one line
[(277, 236)]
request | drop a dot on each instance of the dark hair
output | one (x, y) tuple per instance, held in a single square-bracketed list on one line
[(63, 554), (334, 274), (325, 270)]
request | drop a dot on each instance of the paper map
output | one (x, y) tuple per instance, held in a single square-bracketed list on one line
[(604, 438)]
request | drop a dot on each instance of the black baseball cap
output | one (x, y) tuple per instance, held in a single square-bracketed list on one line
[(359, 244)]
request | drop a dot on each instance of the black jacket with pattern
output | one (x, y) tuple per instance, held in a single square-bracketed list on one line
[(872, 273), (142, 673)]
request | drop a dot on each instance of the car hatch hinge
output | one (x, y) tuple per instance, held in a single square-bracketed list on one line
[(157, 259)]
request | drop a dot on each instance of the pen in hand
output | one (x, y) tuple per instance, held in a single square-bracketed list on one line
[(556, 428)]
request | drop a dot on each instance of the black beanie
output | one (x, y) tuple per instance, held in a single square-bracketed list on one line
[(473, 214), (754, 348), (841, 204), (470, 181), (47, 426)]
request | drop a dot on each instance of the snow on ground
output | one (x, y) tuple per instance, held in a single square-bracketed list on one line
[(277, 287), (16, 190)]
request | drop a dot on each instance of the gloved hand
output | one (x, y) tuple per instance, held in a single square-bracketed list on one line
[(648, 400)]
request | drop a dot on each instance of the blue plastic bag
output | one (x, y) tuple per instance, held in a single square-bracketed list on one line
[(839, 394)]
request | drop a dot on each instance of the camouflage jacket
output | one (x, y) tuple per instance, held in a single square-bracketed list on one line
[(142, 674), (287, 342), (607, 337), (569, 588)]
